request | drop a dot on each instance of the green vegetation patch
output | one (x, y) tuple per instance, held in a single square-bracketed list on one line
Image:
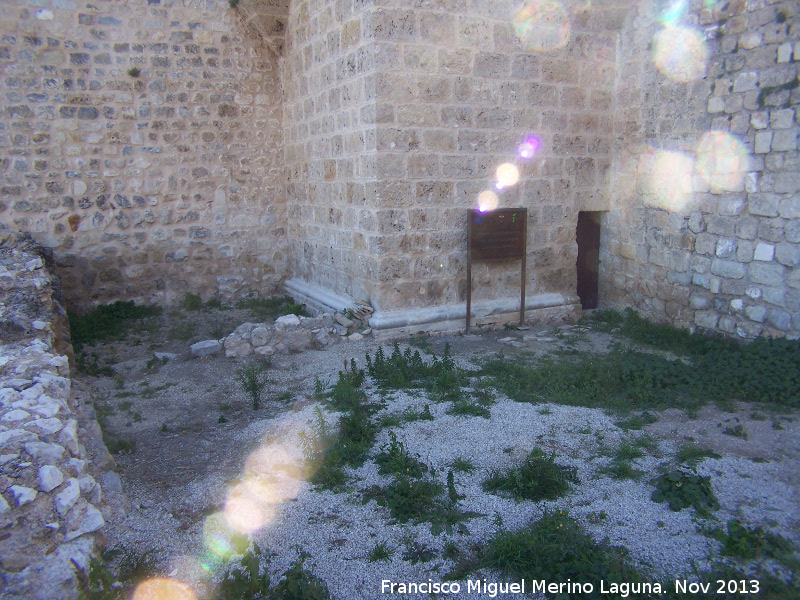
[(107, 322), (272, 307), (691, 454), (682, 489), (395, 459), (403, 370), (539, 478), (330, 452), (250, 579), (556, 549), (253, 381), (751, 543), (624, 380)]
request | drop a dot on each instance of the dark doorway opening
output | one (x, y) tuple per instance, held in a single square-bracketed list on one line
[(588, 235)]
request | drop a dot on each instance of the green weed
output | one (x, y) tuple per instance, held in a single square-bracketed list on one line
[(637, 421), (250, 580), (253, 381), (682, 489), (90, 364), (621, 469), (411, 414), (751, 543), (119, 445), (394, 459), (107, 322), (462, 465), (355, 437), (691, 454), (554, 548), (735, 431), (154, 364), (381, 551), (407, 370), (418, 553), (467, 408), (450, 551), (191, 302), (539, 478), (272, 307)]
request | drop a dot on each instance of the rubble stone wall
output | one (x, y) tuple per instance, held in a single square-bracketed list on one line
[(152, 183), (704, 226), (57, 484)]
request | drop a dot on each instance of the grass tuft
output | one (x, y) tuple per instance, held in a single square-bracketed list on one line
[(539, 478)]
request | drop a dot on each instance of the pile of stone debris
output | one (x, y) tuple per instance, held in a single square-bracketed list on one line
[(288, 335)]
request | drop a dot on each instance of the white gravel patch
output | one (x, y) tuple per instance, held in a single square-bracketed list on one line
[(338, 531)]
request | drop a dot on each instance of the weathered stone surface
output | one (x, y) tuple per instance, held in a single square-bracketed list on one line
[(68, 496), (23, 495), (50, 477), (287, 321), (205, 348), (45, 426), (45, 453)]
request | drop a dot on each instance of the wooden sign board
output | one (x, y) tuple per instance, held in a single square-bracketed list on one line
[(493, 236), (497, 234)]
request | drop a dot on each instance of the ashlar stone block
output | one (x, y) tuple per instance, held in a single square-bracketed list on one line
[(764, 252), (766, 273), (728, 268)]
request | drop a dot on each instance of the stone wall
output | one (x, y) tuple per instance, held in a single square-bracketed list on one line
[(329, 136), (460, 86), (704, 225), (146, 186), (398, 116), (56, 482)]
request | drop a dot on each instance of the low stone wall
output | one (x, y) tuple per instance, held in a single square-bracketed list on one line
[(56, 483)]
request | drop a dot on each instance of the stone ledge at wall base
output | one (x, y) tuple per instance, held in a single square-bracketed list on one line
[(57, 488), (544, 308)]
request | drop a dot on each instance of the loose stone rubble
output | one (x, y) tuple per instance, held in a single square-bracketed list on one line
[(52, 505), (291, 334)]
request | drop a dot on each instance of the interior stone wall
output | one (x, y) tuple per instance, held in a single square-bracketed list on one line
[(459, 86), (399, 114), (703, 229), (146, 186), (328, 75)]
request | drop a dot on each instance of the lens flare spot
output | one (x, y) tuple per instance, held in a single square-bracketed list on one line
[(669, 180), (163, 589), (680, 54), (487, 201), (251, 505), (529, 147), (221, 540), (673, 12), (507, 175), (542, 25), (722, 161)]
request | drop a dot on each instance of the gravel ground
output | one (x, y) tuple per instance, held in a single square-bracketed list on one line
[(192, 481)]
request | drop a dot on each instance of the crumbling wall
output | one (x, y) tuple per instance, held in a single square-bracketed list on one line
[(142, 142), (57, 484), (704, 226)]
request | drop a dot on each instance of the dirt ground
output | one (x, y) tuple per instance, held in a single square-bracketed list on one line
[(184, 429)]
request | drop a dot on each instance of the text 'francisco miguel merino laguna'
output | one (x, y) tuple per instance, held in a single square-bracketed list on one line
[(492, 589)]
